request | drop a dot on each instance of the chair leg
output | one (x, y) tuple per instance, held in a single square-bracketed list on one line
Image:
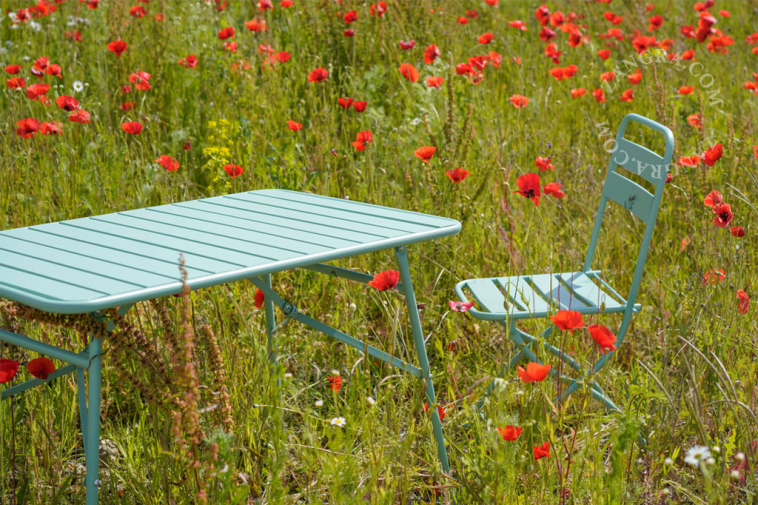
[(91, 428), (418, 338), (511, 333)]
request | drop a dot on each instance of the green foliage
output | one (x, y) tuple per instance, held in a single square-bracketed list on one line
[(686, 374)]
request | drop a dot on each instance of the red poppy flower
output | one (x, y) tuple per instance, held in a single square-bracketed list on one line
[(345, 103), (635, 78), (54, 70), (256, 25), (8, 370), (335, 383), (578, 92), (603, 337), (737, 231), (282, 56), (604, 53), (542, 14), (67, 103), (547, 34), (552, 52), (406, 45), (51, 128), (544, 164), (599, 95), (259, 298), (167, 162), (190, 61), (575, 38), (137, 11), (534, 372), (409, 72), (16, 82), (568, 320), (35, 91), (485, 38), (79, 116), (642, 43), (431, 53), (510, 433), (226, 33), (425, 153), (264, 5), (230, 46), (457, 175), (40, 367), (518, 25), (362, 139), (529, 187), (686, 90), (627, 95), (743, 305), (712, 199), (554, 189), (462, 20), (723, 215), (140, 79), (127, 106), (519, 101), (440, 411), (13, 69), (541, 451), (434, 82), (460, 306), (494, 58), (463, 69), (713, 276), (472, 14), (318, 75), (27, 127), (117, 47), (359, 106), (233, 170), (385, 280), (689, 161), (379, 9), (294, 126), (712, 155), (655, 23), (608, 76), (350, 17), (695, 120), (133, 127)]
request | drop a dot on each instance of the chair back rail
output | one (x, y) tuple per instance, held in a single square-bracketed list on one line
[(618, 188)]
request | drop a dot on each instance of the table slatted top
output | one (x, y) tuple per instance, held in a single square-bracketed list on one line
[(99, 262)]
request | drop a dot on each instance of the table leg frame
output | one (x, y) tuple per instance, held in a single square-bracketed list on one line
[(89, 395), (406, 287)]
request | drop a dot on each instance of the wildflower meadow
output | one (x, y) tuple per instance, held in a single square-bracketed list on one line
[(500, 115)]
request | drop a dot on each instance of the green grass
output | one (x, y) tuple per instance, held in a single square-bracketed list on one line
[(685, 376)]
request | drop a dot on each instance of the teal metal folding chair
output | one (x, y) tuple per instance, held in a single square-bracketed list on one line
[(509, 299)]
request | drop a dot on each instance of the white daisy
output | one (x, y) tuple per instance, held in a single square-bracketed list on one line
[(338, 421), (78, 86), (696, 454), (319, 403)]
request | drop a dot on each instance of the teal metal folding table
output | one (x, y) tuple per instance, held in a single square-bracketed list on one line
[(98, 263)]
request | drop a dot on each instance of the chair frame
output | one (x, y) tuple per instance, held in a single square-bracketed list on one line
[(629, 195)]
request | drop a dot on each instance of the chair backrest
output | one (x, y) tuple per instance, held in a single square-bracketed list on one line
[(643, 162)]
